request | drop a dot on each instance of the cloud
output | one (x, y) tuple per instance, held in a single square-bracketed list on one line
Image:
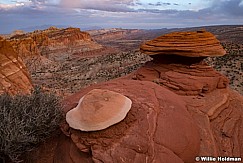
[(159, 4), (117, 13), (103, 5)]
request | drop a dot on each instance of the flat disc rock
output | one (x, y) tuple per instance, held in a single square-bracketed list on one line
[(188, 44), (98, 110)]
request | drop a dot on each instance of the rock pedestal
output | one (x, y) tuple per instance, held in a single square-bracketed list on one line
[(178, 65)]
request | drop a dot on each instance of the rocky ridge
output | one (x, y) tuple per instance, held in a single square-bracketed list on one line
[(14, 77)]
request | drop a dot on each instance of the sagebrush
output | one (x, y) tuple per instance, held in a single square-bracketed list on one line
[(26, 120)]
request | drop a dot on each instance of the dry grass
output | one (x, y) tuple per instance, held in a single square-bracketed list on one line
[(26, 120)]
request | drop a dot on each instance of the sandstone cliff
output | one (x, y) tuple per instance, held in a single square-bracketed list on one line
[(53, 40), (14, 77)]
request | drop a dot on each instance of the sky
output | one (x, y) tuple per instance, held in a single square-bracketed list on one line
[(139, 14)]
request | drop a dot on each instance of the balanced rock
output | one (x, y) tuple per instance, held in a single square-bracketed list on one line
[(98, 110), (189, 44), (14, 77)]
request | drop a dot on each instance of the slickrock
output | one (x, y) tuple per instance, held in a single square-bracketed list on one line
[(14, 77), (219, 117), (217, 110), (53, 40), (190, 44), (157, 128)]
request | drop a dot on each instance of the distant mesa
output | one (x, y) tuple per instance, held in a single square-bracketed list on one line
[(190, 44), (53, 40), (98, 109)]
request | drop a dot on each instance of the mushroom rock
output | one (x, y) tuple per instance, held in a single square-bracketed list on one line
[(14, 77), (157, 128), (98, 110), (216, 109), (177, 63), (189, 44)]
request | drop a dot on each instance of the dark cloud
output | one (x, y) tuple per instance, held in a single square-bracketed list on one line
[(231, 7), (167, 3), (159, 4)]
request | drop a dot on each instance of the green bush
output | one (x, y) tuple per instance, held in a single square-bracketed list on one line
[(26, 120)]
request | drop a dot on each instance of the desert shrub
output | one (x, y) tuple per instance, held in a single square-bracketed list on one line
[(26, 120)]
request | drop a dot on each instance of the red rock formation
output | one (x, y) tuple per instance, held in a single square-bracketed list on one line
[(157, 128), (216, 109), (53, 40), (219, 116), (190, 44), (14, 77)]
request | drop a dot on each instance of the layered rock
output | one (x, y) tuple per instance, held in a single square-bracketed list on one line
[(184, 79), (53, 40), (14, 77), (219, 116), (190, 44)]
